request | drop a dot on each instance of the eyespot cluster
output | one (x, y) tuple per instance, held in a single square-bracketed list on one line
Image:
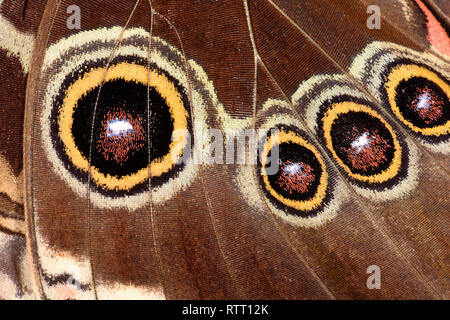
[(111, 121), (118, 121), (361, 140), (366, 145)]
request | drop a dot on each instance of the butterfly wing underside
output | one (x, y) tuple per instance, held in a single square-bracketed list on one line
[(126, 197)]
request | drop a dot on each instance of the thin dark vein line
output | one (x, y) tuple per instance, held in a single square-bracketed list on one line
[(255, 61), (91, 139), (149, 102), (216, 233), (200, 166), (35, 255), (24, 9), (349, 186)]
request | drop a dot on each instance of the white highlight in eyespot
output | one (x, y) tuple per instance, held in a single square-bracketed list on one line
[(294, 169), (362, 142), (118, 127), (424, 101)]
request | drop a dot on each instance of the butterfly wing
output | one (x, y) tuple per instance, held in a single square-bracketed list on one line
[(359, 183)]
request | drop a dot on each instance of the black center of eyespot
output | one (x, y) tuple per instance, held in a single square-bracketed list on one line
[(299, 173), (422, 102), (362, 142), (120, 135)]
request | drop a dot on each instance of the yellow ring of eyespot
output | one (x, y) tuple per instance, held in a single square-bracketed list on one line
[(344, 107), (303, 205), (406, 72), (127, 72)]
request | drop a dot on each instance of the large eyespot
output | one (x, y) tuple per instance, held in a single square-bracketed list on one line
[(119, 148), (362, 142), (413, 86), (122, 121), (292, 178), (419, 97)]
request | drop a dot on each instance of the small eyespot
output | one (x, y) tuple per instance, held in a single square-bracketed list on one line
[(368, 149), (362, 142), (292, 179), (301, 180), (419, 97)]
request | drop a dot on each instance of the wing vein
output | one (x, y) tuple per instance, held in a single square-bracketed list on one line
[(152, 218), (91, 139), (29, 214), (200, 166), (361, 87)]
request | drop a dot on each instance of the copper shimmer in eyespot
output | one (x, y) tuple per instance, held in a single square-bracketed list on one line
[(419, 97), (295, 176), (362, 142), (367, 149), (120, 153), (116, 155), (121, 135), (422, 102)]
